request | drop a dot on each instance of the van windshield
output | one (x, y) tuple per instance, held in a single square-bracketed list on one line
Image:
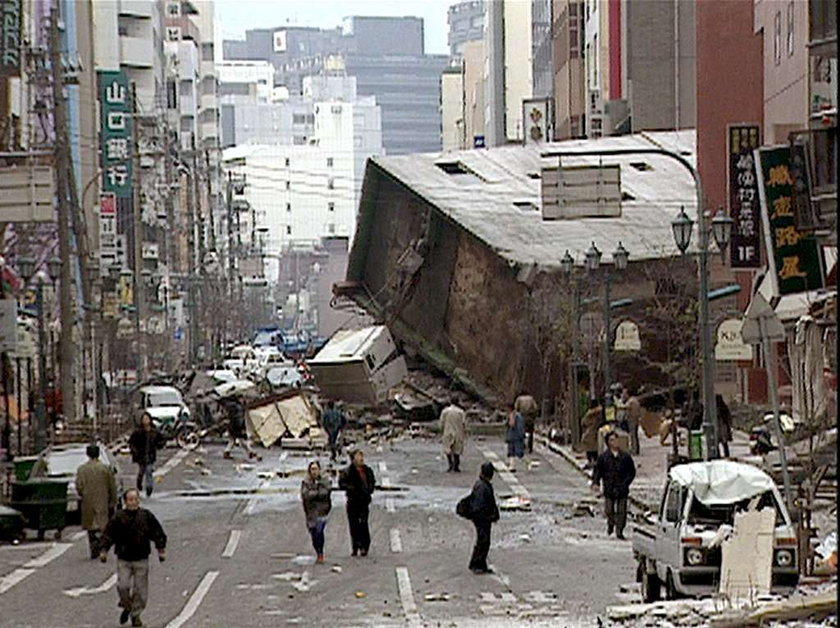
[(717, 514)]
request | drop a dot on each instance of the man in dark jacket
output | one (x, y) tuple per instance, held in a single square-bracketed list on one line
[(480, 508), (615, 468), (237, 431), (144, 443), (131, 531), (358, 481), (334, 423)]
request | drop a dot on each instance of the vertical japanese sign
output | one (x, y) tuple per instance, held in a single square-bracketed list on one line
[(794, 259), (11, 41), (115, 136), (745, 251)]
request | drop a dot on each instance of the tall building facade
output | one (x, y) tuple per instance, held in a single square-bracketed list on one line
[(569, 69), (466, 23)]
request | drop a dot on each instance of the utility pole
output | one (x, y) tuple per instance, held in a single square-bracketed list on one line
[(138, 240), (191, 187), (63, 171)]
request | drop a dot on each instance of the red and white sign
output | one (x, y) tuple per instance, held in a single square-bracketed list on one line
[(107, 205)]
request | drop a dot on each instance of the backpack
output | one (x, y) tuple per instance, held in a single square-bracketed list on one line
[(464, 507)]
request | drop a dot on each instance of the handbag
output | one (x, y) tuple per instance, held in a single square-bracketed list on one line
[(464, 507)]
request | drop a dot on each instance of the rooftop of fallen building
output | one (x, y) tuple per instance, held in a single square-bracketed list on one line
[(495, 194)]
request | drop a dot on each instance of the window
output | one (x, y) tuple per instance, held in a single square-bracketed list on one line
[(777, 38), (331, 228), (298, 118), (288, 229), (288, 162), (288, 207), (331, 207), (171, 94), (173, 9), (288, 185), (574, 32), (329, 162), (790, 29), (331, 183)]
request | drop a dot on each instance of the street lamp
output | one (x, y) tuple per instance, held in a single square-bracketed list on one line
[(593, 258), (567, 263), (26, 267), (721, 229)]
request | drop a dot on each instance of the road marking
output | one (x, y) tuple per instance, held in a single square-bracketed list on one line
[(386, 482), (233, 542), (499, 577), (110, 582), (50, 555), (396, 541), (497, 598), (383, 466), (541, 597), (195, 600), (10, 580), (78, 536), (390, 506), (252, 503), (409, 606), (170, 464), (509, 478)]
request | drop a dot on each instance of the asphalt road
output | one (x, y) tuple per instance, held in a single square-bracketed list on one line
[(239, 553)]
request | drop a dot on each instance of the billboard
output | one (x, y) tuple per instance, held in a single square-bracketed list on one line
[(745, 245), (11, 40), (116, 131), (793, 258), (280, 42)]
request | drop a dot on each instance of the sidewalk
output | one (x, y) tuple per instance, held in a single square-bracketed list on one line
[(651, 464)]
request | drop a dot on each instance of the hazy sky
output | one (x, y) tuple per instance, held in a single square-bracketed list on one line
[(237, 16)]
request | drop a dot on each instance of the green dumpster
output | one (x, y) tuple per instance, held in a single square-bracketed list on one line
[(11, 524), (23, 466), (695, 445), (43, 504)]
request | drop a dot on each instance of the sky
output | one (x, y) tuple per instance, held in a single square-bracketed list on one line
[(237, 16)]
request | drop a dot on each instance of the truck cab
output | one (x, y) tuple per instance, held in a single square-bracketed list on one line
[(680, 548)]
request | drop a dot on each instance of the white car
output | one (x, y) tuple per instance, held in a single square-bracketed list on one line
[(164, 404), (241, 360)]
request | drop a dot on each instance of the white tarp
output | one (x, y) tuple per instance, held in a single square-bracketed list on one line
[(722, 481), (268, 423)]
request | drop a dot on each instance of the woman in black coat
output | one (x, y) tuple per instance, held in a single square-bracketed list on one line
[(480, 508), (358, 481)]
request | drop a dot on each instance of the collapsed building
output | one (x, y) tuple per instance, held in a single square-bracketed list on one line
[(450, 248)]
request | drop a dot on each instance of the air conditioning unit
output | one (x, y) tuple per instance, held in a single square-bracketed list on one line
[(173, 33)]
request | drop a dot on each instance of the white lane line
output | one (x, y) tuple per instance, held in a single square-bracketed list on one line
[(386, 482), (396, 541), (10, 580), (509, 478), (78, 536), (233, 542), (110, 582), (390, 506), (383, 466), (252, 503), (409, 606), (50, 555), (170, 464), (195, 600)]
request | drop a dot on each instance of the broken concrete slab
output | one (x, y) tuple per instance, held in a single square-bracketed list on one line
[(747, 555)]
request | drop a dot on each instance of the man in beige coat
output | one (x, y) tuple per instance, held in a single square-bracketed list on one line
[(97, 488), (453, 424)]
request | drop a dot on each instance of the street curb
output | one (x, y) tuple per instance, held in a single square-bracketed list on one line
[(561, 451)]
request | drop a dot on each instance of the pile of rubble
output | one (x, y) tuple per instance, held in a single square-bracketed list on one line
[(814, 604)]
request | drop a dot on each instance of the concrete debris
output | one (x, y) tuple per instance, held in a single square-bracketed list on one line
[(582, 510), (199, 462), (336, 569), (361, 595), (437, 597), (303, 559), (245, 466), (288, 576), (265, 475), (515, 502), (747, 556), (206, 471), (526, 538)]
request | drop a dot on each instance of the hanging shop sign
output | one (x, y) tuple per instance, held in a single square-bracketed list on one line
[(11, 40), (115, 137), (794, 259), (627, 337), (745, 245), (730, 346)]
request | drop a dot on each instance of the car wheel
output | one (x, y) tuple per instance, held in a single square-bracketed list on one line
[(188, 439), (651, 586)]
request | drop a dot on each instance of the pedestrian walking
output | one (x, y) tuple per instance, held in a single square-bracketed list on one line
[(144, 443), (724, 431), (334, 422), (315, 495), (589, 426), (632, 418), (480, 508), (453, 424), (527, 406), (97, 488), (132, 531), (515, 437), (358, 481), (237, 432), (615, 470)]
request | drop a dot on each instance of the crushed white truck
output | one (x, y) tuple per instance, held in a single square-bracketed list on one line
[(680, 547)]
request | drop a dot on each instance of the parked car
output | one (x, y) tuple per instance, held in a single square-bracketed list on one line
[(62, 463), (676, 549), (240, 360), (170, 415)]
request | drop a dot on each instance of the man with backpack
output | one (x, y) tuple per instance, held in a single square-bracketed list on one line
[(480, 508)]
